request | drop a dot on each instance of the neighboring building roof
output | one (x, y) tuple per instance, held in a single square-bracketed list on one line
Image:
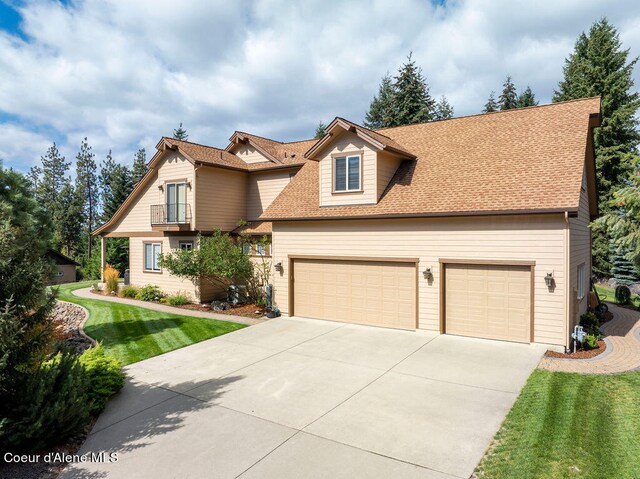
[(254, 228), (516, 161), (59, 258)]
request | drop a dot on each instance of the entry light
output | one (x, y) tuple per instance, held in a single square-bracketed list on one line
[(427, 273), (548, 280), (278, 267)]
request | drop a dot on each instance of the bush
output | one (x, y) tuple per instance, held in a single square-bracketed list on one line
[(178, 299), (623, 294), (111, 276), (129, 292), (589, 321), (590, 341), (104, 377), (50, 406), (150, 293)]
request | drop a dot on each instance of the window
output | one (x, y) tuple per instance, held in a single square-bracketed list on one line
[(176, 202), (152, 256), (60, 273), (346, 173), (246, 248), (186, 245), (261, 249), (581, 279)]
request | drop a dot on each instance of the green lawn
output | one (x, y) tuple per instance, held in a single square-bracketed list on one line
[(567, 425), (132, 333), (608, 294)]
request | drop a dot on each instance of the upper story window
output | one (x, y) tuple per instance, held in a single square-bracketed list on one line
[(186, 245), (176, 202), (347, 173)]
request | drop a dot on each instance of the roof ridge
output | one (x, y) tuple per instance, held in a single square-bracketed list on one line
[(511, 110), (258, 136), (194, 143), (298, 141), (370, 129)]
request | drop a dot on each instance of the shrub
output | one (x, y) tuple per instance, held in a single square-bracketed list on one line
[(104, 377), (95, 287), (590, 341), (150, 293), (623, 294), (111, 276), (50, 405), (178, 299), (129, 292), (589, 321)]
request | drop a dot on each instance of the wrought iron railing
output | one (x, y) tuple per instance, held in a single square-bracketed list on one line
[(171, 214)]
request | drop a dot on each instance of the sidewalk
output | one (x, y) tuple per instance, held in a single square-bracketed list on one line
[(622, 335), (86, 293)]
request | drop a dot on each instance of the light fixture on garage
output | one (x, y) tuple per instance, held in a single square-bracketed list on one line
[(278, 267), (427, 273), (548, 280)]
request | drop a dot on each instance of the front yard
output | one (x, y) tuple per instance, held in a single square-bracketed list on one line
[(607, 293), (567, 425), (133, 333)]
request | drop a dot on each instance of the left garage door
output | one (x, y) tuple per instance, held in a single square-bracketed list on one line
[(378, 293)]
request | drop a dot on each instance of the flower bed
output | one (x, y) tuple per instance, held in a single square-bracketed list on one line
[(581, 353)]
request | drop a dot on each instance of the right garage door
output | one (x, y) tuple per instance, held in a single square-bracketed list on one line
[(488, 301)]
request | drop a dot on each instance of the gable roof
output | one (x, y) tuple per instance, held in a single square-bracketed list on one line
[(376, 139), (59, 258), (528, 160)]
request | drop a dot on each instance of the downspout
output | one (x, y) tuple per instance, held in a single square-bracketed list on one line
[(567, 282)]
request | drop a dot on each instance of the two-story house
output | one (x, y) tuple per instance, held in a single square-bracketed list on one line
[(475, 226)]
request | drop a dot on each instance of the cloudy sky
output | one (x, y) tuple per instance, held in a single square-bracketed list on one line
[(126, 72)]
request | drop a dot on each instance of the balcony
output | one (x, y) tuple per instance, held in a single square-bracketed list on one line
[(171, 217)]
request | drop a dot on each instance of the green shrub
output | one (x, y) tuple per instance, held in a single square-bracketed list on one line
[(96, 287), (150, 293), (623, 294), (590, 341), (104, 377), (50, 405), (589, 321), (178, 299), (129, 292)]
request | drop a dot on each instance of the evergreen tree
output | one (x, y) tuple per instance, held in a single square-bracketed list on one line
[(116, 184), (492, 104), (411, 99), (443, 109), (380, 112), (180, 133), (527, 98), (321, 130), (622, 269), (69, 225), (87, 189), (508, 99), (599, 66), (139, 168)]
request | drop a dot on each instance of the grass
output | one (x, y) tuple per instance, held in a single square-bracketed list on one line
[(608, 294), (567, 425), (131, 333)]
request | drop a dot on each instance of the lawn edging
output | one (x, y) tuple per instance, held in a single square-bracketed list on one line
[(81, 326)]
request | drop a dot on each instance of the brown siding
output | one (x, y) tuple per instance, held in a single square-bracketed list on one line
[(518, 238), (221, 199), (68, 276), (262, 189)]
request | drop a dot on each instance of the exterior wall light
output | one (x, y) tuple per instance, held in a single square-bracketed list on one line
[(548, 280), (278, 267), (427, 273), (161, 187)]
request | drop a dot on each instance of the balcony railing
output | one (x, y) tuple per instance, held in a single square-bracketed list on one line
[(171, 214)]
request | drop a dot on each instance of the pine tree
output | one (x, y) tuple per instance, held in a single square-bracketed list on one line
[(492, 104), (599, 66), (321, 130), (140, 167), (180, 133), (527, 98), (69, 226), (87, 189), (508, 99), (443, 109), (116, 184), (380, 112), (411, 99)]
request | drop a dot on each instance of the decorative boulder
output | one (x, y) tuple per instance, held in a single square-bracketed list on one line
[(219, 305)]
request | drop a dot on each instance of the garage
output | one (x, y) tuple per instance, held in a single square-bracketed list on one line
[(374, 292), (490, 301)]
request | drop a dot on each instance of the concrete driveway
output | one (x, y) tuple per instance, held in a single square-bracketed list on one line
[(306, 398)]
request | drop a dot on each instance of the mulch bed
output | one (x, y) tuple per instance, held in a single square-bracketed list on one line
[(580, 353)]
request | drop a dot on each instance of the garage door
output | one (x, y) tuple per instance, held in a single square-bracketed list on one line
[(488, 301), (378, 293)]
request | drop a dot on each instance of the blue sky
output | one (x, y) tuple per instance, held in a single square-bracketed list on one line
[(124, 73)]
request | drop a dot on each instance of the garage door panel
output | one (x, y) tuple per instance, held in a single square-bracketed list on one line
[(488, 301), (364, 292)]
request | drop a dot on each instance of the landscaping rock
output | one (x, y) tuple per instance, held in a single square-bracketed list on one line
[(220, 305), (67, 319)]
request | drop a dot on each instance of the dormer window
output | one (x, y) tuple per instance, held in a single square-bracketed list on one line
[(347, 173)]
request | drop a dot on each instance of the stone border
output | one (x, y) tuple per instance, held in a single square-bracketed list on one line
[(81, 326), (607, 350)]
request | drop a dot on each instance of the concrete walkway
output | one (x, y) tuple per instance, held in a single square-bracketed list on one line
[(86, 293), (300, 398), (622, 335)]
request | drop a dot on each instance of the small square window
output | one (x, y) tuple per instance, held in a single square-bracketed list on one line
[(261, 249), (186, 245), (246, 248), (346, 173)]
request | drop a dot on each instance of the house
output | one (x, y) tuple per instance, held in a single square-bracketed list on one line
[(475, 226), (65, 271)]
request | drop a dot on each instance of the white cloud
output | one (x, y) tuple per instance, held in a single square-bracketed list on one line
[(125, 73)]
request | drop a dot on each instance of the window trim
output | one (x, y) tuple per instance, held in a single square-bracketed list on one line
[(144, 257), (346, 156), (580, 281), (250, 245), (175, 183), (267, 250), (182, 243)]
